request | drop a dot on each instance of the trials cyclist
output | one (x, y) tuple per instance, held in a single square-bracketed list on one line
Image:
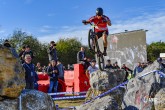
[(101, 21)]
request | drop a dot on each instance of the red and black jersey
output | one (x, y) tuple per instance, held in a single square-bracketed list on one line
[(101, 25)]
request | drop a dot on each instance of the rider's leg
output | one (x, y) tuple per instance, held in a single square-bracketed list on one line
[(105, 42)]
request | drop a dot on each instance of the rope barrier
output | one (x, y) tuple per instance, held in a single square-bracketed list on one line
[(60, 93), (70, 97)]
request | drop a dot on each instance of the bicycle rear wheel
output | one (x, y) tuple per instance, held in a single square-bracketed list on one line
[(91, 39), (101, 62)]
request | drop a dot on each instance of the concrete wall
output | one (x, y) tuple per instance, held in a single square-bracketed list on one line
[(126, 47)]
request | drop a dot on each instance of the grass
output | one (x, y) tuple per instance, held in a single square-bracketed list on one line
[(69, 103)]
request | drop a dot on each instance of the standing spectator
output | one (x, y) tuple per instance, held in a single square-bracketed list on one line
[(91, 68), (53, 72), (138, 69), (21, 54), (116, 66), (28, 51), (61, 70), (108, 65), (38, 67), (31, 77), (127, 70), (52, 52), (81, 57)]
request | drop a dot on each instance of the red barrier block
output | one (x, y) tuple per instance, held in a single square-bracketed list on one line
[(78, 71)]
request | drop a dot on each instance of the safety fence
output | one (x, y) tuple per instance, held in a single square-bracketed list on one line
[(80, 95)]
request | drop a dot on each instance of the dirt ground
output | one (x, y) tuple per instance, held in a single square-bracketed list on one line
[(69, 103)]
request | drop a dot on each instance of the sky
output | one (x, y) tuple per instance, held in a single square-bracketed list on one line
[(51, 19)]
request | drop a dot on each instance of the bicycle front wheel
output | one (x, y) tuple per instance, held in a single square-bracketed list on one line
[(101, 62), (91, 39)]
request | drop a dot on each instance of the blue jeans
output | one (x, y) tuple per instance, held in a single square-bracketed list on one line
[(53, 86)]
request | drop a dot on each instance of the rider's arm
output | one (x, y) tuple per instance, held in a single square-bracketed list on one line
[(109, 23)]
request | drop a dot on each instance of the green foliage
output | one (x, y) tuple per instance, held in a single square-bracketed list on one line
[(154, 50), (20, 39)]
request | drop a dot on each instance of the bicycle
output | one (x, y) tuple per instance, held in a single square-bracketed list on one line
[(94, 46)]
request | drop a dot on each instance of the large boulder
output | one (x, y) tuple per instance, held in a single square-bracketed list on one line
[(12, 76), (159, 100), (102, 81), (104, 103), (141, 91), (105, 80), (30, 100)]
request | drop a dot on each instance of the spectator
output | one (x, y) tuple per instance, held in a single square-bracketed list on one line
[(81, 57), (21, 54), (61, 70), (28, 51), (115, 66), (53, 72), (31, 77), (7, 44), (127, 70), (52, 52), (91, 68), (138, 69), (38, 67), (108, 65)]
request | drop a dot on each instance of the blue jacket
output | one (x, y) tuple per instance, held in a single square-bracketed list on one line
[(61, 70), (30, 74), (137, 69)]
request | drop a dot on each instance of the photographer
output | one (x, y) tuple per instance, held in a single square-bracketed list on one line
[(53, 72), (52, 52)]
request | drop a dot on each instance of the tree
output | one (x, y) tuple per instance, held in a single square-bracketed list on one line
[(154, 50), (20, 39)]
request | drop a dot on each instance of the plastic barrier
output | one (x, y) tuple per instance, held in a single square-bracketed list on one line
[(70, 97), (80, 79), (43, 83)]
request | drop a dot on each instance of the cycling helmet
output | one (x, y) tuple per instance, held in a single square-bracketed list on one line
[(99, 11)]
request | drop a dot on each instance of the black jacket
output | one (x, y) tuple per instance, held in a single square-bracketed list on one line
[(52, 53), (53, 76), (30, 74)]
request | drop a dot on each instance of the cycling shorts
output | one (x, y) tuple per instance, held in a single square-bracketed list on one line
[(100, 34)]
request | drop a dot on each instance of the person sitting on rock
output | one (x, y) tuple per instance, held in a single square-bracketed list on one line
[(21, 54), (127, 70), (91, 68), (116, 66), (31, 76), (108, 65), (137, 69)]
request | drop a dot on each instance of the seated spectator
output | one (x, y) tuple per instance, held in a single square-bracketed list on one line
[(53, 72), (127, 70), (138, 69), (38, 67), (91, 68), (31, 76), (108, 65), (7, 43), (115, 66)]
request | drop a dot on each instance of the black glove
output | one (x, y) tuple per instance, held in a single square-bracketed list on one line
[(84, 21)]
